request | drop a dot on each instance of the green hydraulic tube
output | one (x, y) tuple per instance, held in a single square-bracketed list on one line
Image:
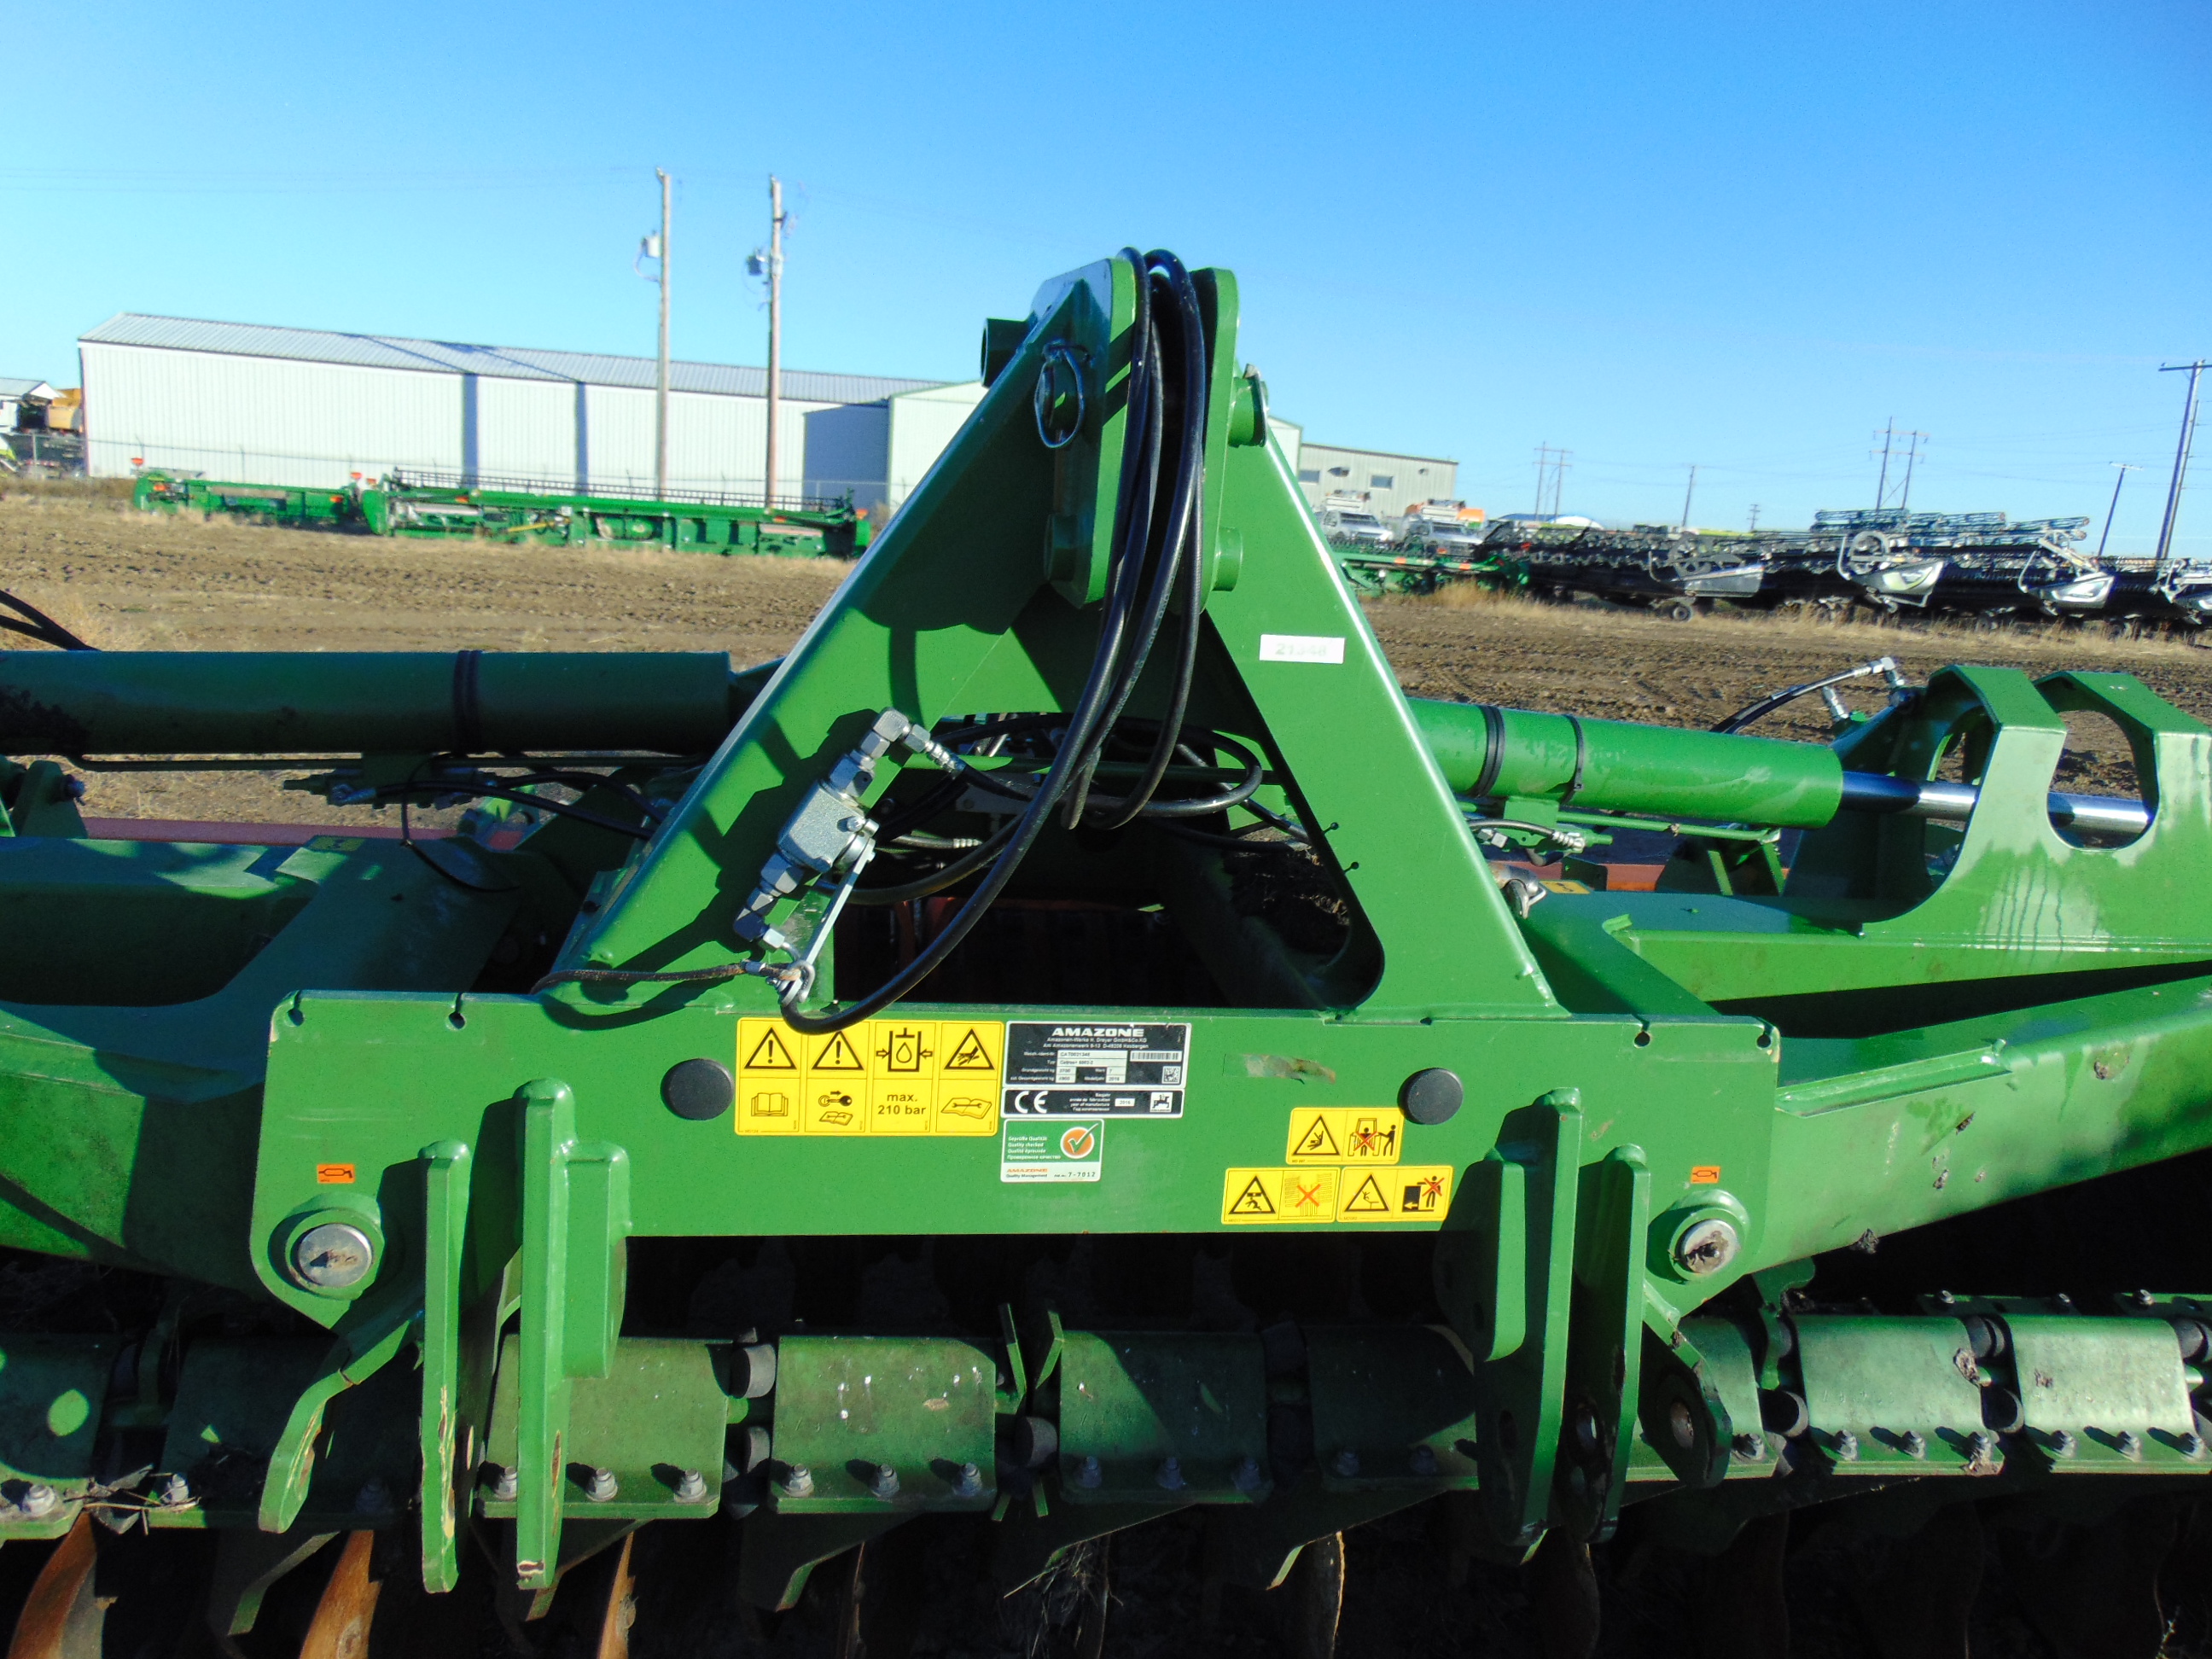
[(247, 702), (1492, 753)]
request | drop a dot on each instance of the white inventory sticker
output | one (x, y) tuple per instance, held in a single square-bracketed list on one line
[(1301, 647), (1064, 1150)]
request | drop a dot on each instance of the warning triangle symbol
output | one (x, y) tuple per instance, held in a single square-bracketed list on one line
[(769, 1054), (1318, 1142), (838, 1055), (1253, 1200), (1368, 1199), (971, 1054)]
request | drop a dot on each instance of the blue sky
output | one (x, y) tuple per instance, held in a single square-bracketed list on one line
[(1742, 236)]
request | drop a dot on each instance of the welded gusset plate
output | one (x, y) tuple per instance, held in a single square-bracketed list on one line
[(51, 1390), (657, 1416), (2104, 1395), (1162, 1417), (1895, 1395), (877, 1425), (1393, 1406)]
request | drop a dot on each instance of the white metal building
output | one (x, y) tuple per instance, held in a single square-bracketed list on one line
[(1391, 483), (877, 452), (303, 406)]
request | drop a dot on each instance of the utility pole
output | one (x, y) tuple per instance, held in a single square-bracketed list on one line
[(1686, 494), (774, 322), (1754, 515), (1889, 436), (1554, 461), (660, 380), (2125, 468), (2181, 455)]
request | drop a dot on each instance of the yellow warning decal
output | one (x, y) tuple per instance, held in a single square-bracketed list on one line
[(1346, 1135), (882, 1077), (1292, 1198), (1311, 1195)]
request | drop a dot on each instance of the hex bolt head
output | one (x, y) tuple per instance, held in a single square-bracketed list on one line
[(1169, 1475), (39, 1500), (374, 1498), (1088, 1475), (1911, 1444), (2062, 1444), (1423, 1460), (968, 1481), (1981, 1447), (1750, 1447), (2190, 1445), (335, 1257), (1247, 1477), (2129, 1444), (1845, 1447), (176, 1491), (1945, 1298), (1345, 1464), (602, 1486), (1682, 1423), (1706, 1247), (2144, 1298), (690, 1487), (883, 1483), (797, 1481), (505, 1482)]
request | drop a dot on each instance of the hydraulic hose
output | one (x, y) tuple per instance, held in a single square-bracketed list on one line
[(1147, 541)]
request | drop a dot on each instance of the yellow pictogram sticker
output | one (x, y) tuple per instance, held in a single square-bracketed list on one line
[(1278, 1197), (882, 1077), (1346, 1135), (1311, 1195)]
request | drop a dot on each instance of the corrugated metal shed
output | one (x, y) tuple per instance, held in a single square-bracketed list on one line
[(1391, 483), (312, 407)]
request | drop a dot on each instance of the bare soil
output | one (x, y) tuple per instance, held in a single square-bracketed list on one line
[(139, 582)]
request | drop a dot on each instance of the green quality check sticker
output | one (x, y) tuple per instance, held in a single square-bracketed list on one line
[(1057, 1149)]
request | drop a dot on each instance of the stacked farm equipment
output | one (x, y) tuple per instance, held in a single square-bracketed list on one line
[(442, 507), (1056, 1052)]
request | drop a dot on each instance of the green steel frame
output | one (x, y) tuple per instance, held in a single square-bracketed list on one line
[(1619, 1125)]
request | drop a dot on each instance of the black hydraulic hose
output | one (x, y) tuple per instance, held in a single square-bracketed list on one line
[(951, 876), (1180, 548)]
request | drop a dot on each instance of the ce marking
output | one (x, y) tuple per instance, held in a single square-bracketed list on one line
[(1018, 1102)]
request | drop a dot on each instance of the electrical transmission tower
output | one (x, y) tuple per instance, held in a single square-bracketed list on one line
[(1904, 449), (1555, 462), (2181, 452)]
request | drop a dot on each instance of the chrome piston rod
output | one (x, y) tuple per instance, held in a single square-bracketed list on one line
[(2097, 814)]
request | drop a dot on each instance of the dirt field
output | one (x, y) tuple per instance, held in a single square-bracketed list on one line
[(133, 582)]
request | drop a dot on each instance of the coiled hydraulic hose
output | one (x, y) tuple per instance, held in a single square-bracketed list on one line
[(1155, 539)]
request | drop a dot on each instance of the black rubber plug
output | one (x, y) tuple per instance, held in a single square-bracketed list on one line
[(1431, 1097), (698, 1089)]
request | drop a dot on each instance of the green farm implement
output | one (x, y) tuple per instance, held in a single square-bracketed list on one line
[(447, 508), (1073, 1047)]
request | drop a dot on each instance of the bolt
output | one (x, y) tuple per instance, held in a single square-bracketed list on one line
[(1911, 1444), (602, 1486), (2189, 1446), (2064, 1302), (1980, 1447), (1088, 1475), (1945, 1298), (176, 1491), (374, 1498), (1845, 1446), (1750, 1447), (798, 1482), (1683, 1423), (2062, 1444), (40, 1500), (506, 1483), (2129, 1445), (1707, 1247), (967, 1482), (1422, 1460), (335, 1257), (2144, 1298), (1345, 1464), (690, 1487), (1169, 1475), (1246, 1477), (883, 1483)]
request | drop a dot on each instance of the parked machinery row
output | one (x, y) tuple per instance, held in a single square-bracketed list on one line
[(1980, 565), (445, 506)]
